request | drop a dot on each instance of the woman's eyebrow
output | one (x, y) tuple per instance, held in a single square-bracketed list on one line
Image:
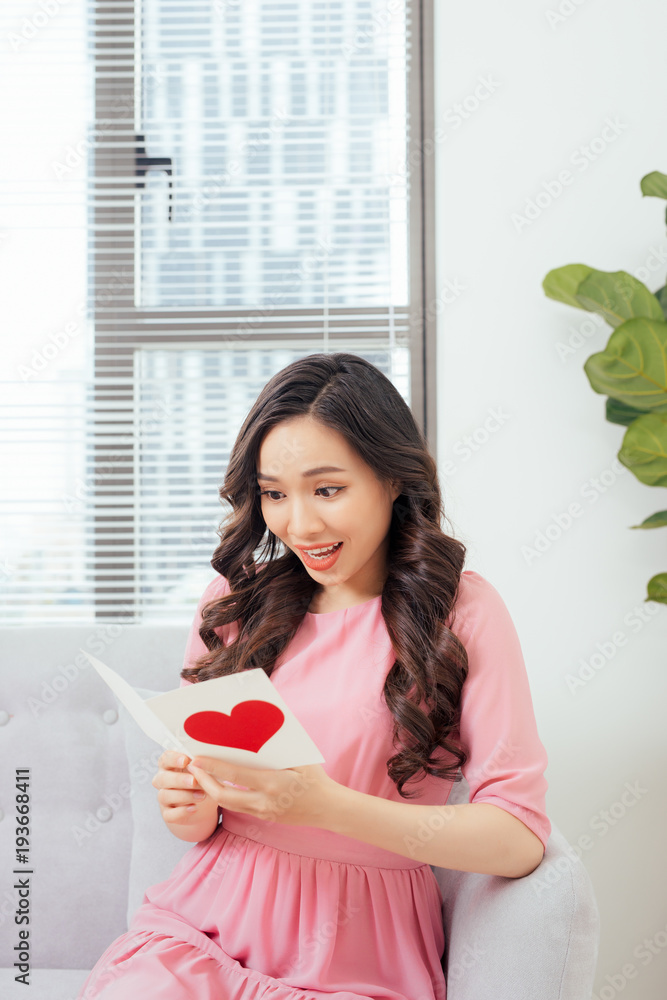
[(309, 472)]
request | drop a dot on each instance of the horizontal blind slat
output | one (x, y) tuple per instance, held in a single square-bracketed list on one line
[(128, 377)]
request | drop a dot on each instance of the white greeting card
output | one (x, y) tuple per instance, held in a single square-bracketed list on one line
[(240, 718)]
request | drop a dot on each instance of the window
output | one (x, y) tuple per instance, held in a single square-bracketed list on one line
[(232, 188)]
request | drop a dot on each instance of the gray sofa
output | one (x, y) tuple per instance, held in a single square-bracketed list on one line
[(97, 838)]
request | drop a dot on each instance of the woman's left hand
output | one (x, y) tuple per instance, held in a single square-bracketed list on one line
[(293, 796)]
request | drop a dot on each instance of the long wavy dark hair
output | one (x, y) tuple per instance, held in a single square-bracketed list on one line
[(350, 395)]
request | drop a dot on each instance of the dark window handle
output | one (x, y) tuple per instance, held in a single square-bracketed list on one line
[(144, 163)]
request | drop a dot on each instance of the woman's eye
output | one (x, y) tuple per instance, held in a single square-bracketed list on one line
[(267, 493)]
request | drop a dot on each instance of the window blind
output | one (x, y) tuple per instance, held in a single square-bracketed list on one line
[(197, 193)]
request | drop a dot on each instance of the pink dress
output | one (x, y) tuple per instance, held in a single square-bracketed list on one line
[(278, 912)]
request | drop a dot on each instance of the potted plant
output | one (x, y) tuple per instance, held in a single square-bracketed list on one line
[(632, 369)]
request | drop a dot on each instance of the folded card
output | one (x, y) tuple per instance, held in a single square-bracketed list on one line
[(240, 718)]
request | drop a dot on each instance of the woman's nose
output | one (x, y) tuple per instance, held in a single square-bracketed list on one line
[(304, 522)]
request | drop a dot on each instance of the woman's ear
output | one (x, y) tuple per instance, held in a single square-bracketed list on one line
[(396, 490)]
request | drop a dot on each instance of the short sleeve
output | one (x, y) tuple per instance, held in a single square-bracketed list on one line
[(507, 760), (195, 646)]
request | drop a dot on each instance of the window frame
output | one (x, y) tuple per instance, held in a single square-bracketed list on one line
[(113, 269)]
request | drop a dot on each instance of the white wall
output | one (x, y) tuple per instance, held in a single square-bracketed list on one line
[(551, 89)]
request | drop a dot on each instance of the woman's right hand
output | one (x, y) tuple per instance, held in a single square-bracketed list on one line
[(181, 798)]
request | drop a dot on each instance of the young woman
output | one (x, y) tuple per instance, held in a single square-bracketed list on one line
[(402, 667)]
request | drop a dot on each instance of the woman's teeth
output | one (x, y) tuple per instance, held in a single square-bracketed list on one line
[(322, 553)]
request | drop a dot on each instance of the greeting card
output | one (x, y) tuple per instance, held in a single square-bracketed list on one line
[(240, 718)]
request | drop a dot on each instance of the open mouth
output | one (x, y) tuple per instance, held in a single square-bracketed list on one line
[(315, 555)]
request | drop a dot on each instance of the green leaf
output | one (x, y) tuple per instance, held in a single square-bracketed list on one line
[(661, 296), (633, 366), (620, 413), (562, 283), (658, 520), (657, 588), (617, 296), (644, 449), (654, 184)]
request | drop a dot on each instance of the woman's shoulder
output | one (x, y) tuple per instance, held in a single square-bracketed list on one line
[(475, 587), (476, 599), (217, 587)]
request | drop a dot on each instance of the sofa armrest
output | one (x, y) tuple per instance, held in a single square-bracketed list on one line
[(521, 938)]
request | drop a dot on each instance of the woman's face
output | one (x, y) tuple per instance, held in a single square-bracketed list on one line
[(306, 508)]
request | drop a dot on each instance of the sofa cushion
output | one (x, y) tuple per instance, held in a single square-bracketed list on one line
[(62, 726), (155, 850), (62, 721), (43, 984)]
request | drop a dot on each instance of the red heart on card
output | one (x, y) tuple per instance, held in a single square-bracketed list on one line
[(248, 727)]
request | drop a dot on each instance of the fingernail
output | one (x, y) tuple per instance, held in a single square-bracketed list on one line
[(180, 762)]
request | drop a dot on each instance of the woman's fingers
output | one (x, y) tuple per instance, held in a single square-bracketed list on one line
[(174, 779), (169, 797), (180, 796), (172, 760)]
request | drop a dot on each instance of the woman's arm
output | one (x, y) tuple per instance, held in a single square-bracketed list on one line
[(471, 837), (475, 836)]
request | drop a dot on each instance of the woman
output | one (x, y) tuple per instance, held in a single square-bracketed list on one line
[(400, 665)]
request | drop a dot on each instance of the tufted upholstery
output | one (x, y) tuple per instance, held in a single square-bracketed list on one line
[(98, 839)]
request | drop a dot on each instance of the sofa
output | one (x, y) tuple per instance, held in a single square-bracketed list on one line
[(97, 839)]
